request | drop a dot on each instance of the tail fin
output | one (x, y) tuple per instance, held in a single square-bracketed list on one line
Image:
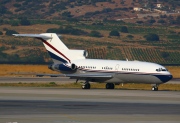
[(55, 47)]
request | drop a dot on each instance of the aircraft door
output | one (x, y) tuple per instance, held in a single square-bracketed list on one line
[(117, 67)]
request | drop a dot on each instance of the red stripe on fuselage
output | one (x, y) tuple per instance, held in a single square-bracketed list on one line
[(54, 48)]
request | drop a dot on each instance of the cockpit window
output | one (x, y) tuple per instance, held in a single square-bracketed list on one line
[(164, 70), (161, 69)]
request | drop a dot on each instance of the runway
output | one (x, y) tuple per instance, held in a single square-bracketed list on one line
[(54, 105), (35, 79), (52, 79)]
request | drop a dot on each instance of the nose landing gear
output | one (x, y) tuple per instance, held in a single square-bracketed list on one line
[(155, 87)]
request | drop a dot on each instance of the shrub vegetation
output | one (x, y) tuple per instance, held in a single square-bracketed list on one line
[(95, 34), (114, 33), (10, 32), (124, 29), (151, 37)]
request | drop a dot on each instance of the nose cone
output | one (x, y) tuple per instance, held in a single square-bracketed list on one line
[(165, 78), (169, 77)]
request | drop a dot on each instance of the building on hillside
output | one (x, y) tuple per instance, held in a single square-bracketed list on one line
[(137, 9), (159, 5)]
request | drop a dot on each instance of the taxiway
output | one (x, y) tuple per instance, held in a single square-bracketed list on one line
[(55, 105)]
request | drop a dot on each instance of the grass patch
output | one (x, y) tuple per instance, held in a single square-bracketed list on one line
[(52, 83), (131, 86)]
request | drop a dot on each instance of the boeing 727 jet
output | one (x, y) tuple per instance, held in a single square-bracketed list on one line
[(74, 64)]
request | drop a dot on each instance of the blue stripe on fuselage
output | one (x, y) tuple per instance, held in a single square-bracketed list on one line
[(56, 57)]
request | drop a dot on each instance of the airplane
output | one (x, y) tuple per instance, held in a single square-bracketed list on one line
[(75, 65)]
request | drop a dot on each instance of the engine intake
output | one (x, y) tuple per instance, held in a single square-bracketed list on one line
[(73, 67), (85, 54)]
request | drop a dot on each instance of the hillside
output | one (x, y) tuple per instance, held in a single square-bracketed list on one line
[(86, 24), (84, 9), (131, 45), (56, 9)]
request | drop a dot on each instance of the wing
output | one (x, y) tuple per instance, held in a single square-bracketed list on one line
[(83, 76), (90, 76)]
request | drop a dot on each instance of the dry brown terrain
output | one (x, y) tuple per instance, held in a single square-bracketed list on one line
[(175, 71), (23, 70)]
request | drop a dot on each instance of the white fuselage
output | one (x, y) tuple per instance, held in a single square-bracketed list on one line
[(124, 71)]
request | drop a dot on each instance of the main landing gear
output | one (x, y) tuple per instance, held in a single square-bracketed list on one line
[(86, 85), (109, 86), (155, 87)]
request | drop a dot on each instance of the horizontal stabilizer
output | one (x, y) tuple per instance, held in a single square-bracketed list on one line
[(34, 36)]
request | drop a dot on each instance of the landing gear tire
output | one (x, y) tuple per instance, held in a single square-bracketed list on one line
[(154, 88), (86, 86), (109, 86)]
